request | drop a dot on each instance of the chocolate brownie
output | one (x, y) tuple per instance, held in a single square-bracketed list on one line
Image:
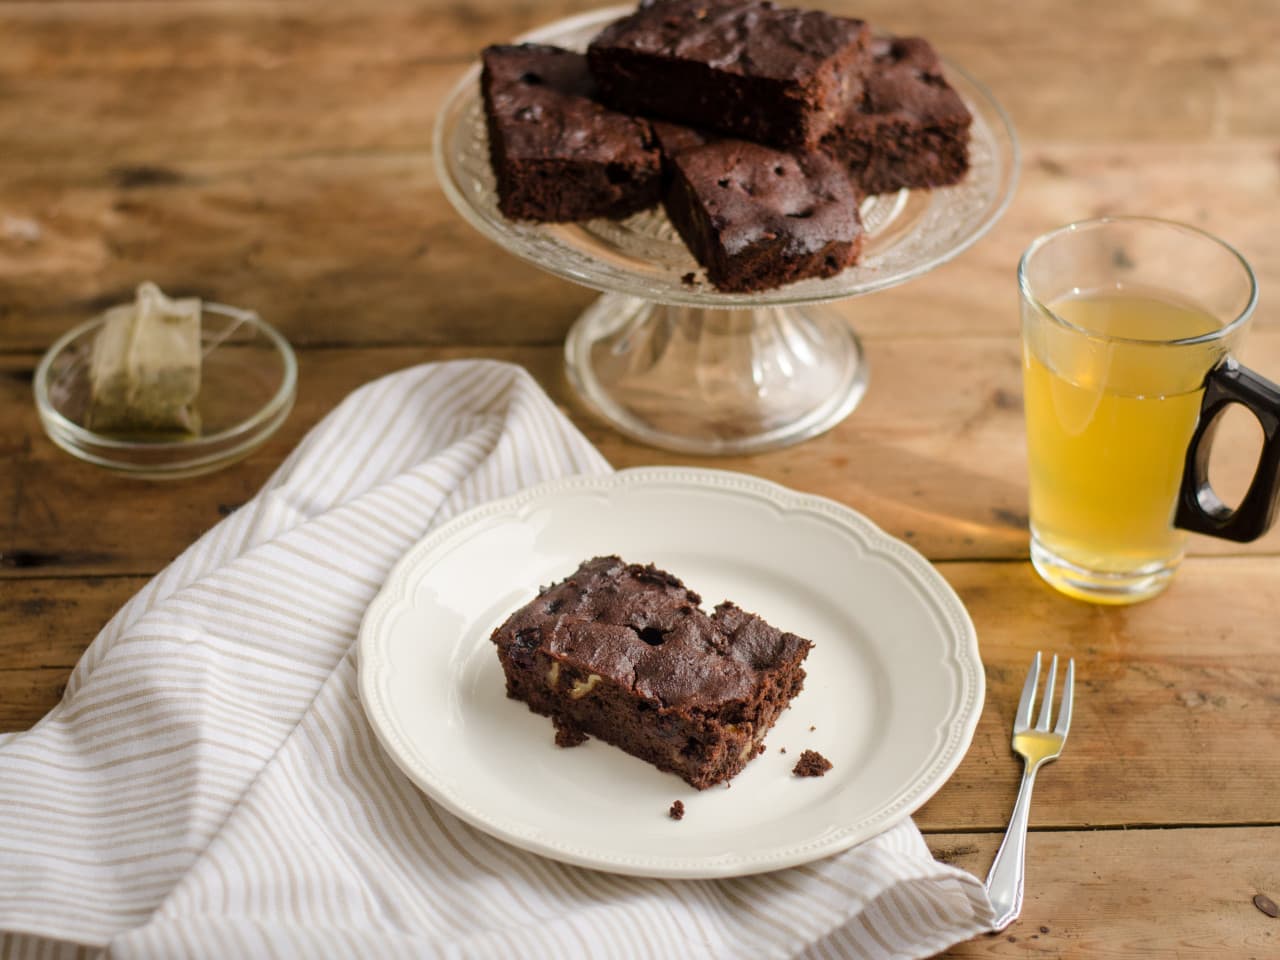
[(740, 67), (623, 653), (911, 128), (756, 217), (557, 154)]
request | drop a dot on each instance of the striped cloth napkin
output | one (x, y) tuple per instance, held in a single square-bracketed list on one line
[(209, 787)]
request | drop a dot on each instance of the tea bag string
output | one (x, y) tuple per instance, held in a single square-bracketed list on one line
[(242, 316)]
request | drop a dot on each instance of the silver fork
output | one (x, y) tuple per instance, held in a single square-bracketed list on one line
[(1036, 745)]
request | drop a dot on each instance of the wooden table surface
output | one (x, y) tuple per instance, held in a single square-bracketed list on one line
[(276, 154)]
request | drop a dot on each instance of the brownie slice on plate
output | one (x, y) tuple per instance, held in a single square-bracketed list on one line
[(911, 128), (756, 217), (740, 67), (623, 653), (556, 153)]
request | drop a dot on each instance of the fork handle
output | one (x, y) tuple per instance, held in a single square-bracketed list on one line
[(1004, 882)]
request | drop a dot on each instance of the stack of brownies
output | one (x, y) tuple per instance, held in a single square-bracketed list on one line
[(759, 130)]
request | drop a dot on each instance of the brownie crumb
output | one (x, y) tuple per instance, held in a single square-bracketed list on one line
[(811, 729), (1044, 929), (677, 810), (567, 735), (689, 279), (811, 764), (782, 749)]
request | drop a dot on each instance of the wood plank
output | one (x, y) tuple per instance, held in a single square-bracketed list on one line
[(128, 35), (61, 516), (263, 168), (1160, 71), (935, 456), (1062, 182), (1121, 895), (270, 113), (330, 250), (1175, 700), (346, 249), (45, 626), (27, 694), (1172, 704), (936, 453)]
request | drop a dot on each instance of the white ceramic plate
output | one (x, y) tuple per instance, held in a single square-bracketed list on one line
[(894, 687)]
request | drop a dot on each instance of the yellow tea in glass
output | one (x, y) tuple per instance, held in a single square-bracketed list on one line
[(1125, 322)]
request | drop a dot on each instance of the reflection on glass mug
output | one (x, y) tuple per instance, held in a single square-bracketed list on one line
[(1128, 326)]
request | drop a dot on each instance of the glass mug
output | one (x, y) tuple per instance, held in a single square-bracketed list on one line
[(1128, 325)]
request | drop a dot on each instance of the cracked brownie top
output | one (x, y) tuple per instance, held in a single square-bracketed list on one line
[(745, 37), (643, 629)]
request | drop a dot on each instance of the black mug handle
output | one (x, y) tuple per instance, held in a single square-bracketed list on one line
[(1199, 508)]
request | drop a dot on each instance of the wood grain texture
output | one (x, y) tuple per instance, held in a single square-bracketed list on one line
[(1158, 71), (363, 249), (59, 516), (44, 627), (1174, 700), (1132, 895), (329, 249), (287, 144), (935, 455)]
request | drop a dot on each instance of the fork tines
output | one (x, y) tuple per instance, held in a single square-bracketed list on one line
[(1027, 703)]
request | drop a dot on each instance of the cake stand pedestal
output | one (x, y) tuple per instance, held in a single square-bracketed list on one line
[(715, 381), (672, 362)]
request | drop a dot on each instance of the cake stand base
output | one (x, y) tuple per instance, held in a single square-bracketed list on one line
[(714, 381)]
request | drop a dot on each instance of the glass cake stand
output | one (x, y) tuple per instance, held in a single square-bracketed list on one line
[(671, 361)]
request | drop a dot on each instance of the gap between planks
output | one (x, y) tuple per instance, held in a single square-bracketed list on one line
[(13, 574), (1105, 828)]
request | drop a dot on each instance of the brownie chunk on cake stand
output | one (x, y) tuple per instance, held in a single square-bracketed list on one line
[(673, 362)]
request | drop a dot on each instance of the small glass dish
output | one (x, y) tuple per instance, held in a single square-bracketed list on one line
[(248, 380)]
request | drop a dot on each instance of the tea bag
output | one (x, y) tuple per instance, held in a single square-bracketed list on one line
[(144, 370)]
